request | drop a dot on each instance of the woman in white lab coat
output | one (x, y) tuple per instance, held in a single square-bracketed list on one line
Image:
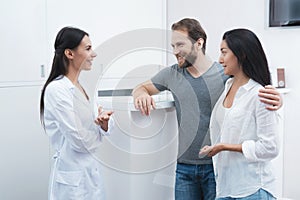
[(68, 118)]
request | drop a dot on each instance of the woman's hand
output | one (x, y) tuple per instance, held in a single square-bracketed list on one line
[(205, 151), (103, 118), (211, 150), (217, 148)]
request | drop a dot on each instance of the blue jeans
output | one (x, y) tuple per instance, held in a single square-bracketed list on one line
[(195, 182), (259, 195)]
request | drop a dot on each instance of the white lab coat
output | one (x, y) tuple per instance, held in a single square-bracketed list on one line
[(69, 122)]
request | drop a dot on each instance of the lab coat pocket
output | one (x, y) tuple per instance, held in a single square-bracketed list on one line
[(71, 178), (68, 184)]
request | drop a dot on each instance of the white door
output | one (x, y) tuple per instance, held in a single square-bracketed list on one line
[(24, 147), (23, 40)]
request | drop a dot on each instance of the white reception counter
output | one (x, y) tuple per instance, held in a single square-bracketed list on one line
[(139, 157)]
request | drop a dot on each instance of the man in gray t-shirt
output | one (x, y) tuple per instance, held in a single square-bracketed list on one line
[(195, 83), (194, 98)]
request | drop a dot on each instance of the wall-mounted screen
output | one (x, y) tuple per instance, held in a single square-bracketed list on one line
[(284, 13)]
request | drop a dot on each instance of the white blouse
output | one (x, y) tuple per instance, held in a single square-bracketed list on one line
[(249, 123)]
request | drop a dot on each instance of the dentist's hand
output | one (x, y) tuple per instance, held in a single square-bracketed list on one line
[(103, 118)]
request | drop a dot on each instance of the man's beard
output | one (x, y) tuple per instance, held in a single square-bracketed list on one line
[(186, 64), (189, 59)]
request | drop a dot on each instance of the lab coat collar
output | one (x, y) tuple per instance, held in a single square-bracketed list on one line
[(66, 81), (77, 94)]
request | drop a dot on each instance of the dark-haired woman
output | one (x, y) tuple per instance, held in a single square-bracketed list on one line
[(243, 131), (68, 118)]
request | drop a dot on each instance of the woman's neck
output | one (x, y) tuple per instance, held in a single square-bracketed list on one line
[(240, 79), (73, 75)]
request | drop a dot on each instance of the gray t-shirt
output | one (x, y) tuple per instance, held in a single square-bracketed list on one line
[(194, 101)]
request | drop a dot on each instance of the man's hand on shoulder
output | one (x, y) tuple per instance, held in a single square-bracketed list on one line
[(270, 96)]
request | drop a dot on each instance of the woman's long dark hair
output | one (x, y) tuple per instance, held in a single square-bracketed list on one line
[(67, 38), (247, 48)]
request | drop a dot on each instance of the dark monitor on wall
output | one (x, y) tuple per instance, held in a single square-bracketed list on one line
[(284, 13)]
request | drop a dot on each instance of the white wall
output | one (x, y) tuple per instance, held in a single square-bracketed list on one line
[(27, 37), (109, 24), (282, 46)]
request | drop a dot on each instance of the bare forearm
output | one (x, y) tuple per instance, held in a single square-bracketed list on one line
[(139, 90), (233, 147), (146, 88), (213, 150), (226, 147)]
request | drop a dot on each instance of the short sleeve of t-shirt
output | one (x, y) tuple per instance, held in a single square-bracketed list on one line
[(162, 78)]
